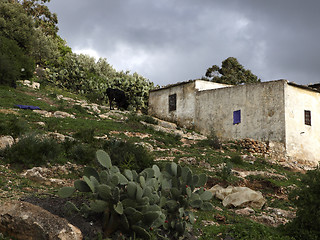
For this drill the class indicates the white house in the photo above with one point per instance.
(284, 114)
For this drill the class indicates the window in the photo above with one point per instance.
(237, 117)
(172, 102)
(307, 117)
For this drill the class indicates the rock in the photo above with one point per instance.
(42, 124)
(25, 221)
(34, 85)
(60, 114)
(146, 145)
(9, 111)
(166, 124)
(43, 113)
(6, 141)
(238, 196)
(60, 137)
(37, 174)
(245, 211)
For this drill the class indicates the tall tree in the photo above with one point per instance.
(41, 15)
(16, 38)
(231, 72)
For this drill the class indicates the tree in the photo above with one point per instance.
(231, 72)
(16, 38)
(15, 24)
(41, 15)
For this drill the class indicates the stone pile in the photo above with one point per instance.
(254, 146)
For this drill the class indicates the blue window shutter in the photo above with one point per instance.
(237, 117)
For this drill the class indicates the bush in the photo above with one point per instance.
(307, 199)
(33, 150)
(85, 135)
(236, 160)
(212, 141)
(126, 155)
(80, 153)
(14, 127)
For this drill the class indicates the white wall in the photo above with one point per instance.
(184, 115)
(262, 111)
(302, 141)
(206, 85)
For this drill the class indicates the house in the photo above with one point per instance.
(285, 115)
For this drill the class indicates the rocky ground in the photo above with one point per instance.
(256, 171)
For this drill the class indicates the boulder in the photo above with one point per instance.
(60, 114)
(6, 141)
(238, 196)
(26, 221)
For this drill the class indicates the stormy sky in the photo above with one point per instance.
(169, 41)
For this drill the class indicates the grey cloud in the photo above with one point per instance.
(177, 40)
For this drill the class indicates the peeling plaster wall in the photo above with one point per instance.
(186, 92)
(184, 115)
(261, 106)
(302, 141)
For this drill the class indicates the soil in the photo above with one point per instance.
(90, 227)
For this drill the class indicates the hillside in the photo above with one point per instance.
(77, 128)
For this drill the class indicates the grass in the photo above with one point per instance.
(86, 125)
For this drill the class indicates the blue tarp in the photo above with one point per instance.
(27, 107)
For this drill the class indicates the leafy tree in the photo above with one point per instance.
(16, 37)
(15, 24)
(45, 48)
(41, 15)
(231, 72)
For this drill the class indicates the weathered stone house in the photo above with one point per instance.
(284, 114)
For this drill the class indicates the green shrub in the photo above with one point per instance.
(33, 150)
(85, 135)
(142, 204)
(236, 159)
(14, 126)
(253, 231)
(225, 171)
(127, 155)
(79, 109)
(307, 200)
(212, 141)
(80, 153)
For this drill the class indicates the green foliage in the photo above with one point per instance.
(144, 202)
(236, 159)
(253, 230)
(211, 141)
(231, 72)
(226, 171)
(82, 74)
(12, 61)
(41, 15)
(80, 153)
(33, 150)
(85, 135)
(127, 155)
(14, 126)
(306, 198)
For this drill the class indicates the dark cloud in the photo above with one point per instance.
(175, 40)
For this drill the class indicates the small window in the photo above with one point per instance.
(172, 102)
(307, 117)
(237, 117)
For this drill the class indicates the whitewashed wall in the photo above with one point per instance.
(184, 114)
(302, 141)
(186, 92)
(262, 111)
